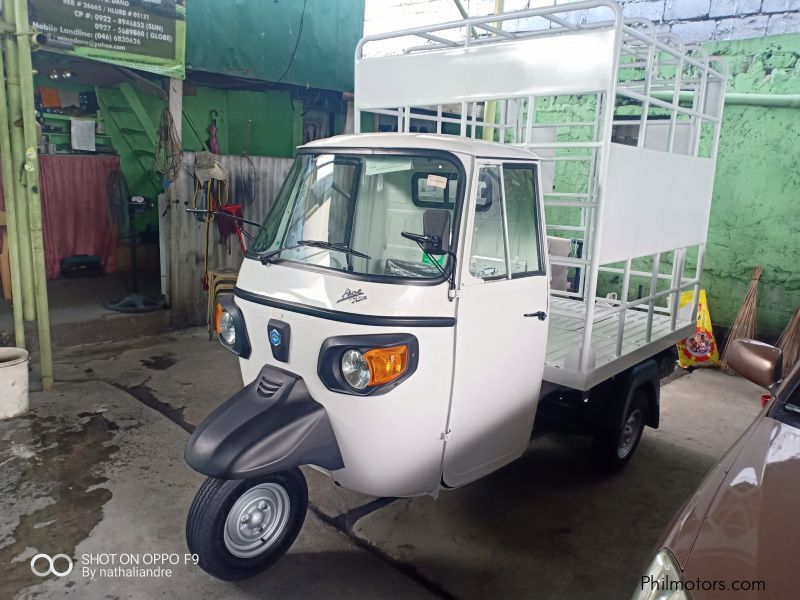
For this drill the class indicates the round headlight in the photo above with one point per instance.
(227, 329)
(355, 369)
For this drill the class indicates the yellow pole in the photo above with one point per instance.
(31, 169)
(11, 214)
(17, 157)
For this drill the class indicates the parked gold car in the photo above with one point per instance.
(738, 535)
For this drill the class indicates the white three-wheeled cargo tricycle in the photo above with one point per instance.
(406, 313)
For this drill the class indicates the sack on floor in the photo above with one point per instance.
(700, 349)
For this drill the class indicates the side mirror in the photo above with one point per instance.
(760, 363)
(436, 226)
(486, 187)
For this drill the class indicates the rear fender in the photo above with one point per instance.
(643, 376)
(611, 400)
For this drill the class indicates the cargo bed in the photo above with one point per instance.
(566, 336)
(625, 122)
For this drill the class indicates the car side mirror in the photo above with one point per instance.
(759, 362)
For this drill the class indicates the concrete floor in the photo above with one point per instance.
(77, 305)
(97, 466)
(81, 299)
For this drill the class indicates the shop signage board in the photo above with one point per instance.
(141, 34)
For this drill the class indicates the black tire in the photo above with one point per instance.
(205, 525)
(608, 453)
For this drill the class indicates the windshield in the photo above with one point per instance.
(348, 212)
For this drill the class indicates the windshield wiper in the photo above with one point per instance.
(267, 257)
(333, 246)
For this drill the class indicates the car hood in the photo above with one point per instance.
(750, 530)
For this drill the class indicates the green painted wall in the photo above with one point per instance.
(275, 128)
(754, 217)
(273, 118)
(257, 38)
(274, 121)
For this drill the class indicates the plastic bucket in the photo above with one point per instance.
(13, 382)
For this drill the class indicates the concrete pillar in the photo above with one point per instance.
(170, 238)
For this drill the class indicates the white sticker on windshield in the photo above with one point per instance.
(437, 181)
(376, 166)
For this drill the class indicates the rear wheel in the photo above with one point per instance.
(239, 528)
(612, 449)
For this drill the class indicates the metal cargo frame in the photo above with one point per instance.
(631, 184)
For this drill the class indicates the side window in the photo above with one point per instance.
(519, 183)
(488, 258)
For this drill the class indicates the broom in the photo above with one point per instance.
(789, 342)
(744, 325)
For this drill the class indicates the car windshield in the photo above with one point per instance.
(348, 212)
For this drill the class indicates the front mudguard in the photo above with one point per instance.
(268, 426)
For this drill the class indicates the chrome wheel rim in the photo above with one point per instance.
(630, 432)
(257, 520)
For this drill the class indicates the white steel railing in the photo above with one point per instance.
(668, 96)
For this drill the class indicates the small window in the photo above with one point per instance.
(434, 190)
(488, 256)
(523, 220)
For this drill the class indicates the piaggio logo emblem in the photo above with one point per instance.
(51, 562)
(275, 337)
(353, 296)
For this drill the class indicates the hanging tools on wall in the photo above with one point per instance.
(211, 203)
(210, 195)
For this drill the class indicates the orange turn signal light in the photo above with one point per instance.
(217, 316)
(386, 364)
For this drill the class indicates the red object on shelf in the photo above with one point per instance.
(765, 398)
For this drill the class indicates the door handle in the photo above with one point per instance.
(541, 315)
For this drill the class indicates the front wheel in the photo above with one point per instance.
(239, 528)
(613, 449)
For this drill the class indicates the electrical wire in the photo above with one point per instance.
(194, 129)
(168, 152)
(296, 43)
(252, 180)
(311, 105)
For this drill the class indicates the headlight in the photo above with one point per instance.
(375, 367)
(355, 369)
(230, 326)
(227, 328)
(367, 365)
(662, 580)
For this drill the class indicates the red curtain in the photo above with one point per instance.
(75, 215)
